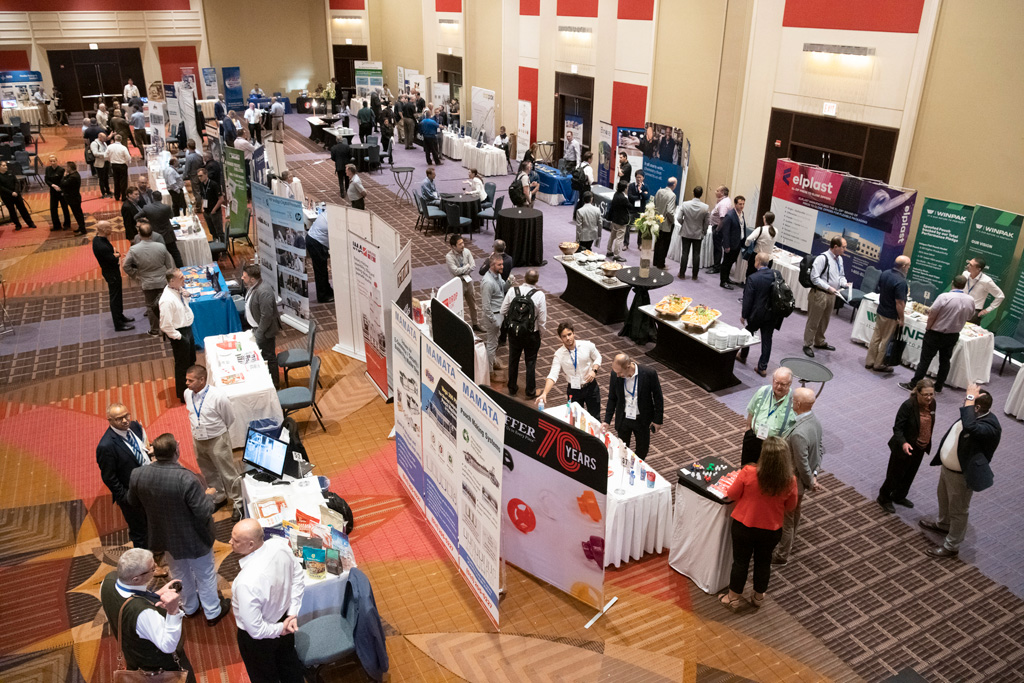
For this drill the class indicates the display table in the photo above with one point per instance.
(701, 546)
(587, 289)
(1015, 399)
(264, 103)
(972, 356)
(555, 188)
(209, 108)
(33, 114)
(688, 351)
(254, 397)
(637, 327)
(195, 250)
(522, 229)
(636, 520)
(453, 145)
(339, 133)
(214, 312)
(788, 264)
(487, 160)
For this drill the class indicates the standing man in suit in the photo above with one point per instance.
(637, 194)
(964, 454)
(734, 228)
(122, 449)
(176, 320)
(261, 313)
(635, 400)
(110, 266)
(131, 208)
(159, 216)
(805, 446)
(341, 155)
(757, 313)
(665, 206)
(692, 220)
(180, 517)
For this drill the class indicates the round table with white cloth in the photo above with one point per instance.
(707, 250)
(1015, 400)
(487, 160)
(32, 114)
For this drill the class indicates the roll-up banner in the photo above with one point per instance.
(366, 269)
(554, 489)
(265, 250)
(442, 94)
(158, 123)
(260, 176)
(209, 83)
(451, 295)
(662, 152)
(236, 195)
(605, 161)
(187, 109)
(439, 398)
(233, 95)
(173, 113)
(523, 129)
(993, 237)
(812, 205)
(290, 246)
(405, 354)
(483, 112)
(940, 244)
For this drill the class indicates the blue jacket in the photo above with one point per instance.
(757, 299)
(368, 633)
(732, 234)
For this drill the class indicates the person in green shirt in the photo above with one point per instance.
(769, 413)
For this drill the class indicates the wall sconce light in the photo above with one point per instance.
(840, 49)
(449, 51)
(93, 46)
(348, 41)
(574, 69)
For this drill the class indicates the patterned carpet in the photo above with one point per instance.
(858, 601)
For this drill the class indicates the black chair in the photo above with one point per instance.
(868, 284)
(491, 214)
(238, 235)
(921, 292)
(428, 215)
(297, 398)
(292, 359)
(1010, 345)
(456, 222)
(219, 249)
(28, 168)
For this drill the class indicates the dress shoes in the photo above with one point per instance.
(713, 269)
(942, 551)
(809, 352)
(477, 328)
(763, 373)
(326, 300)
(225, 607)
(776, 560)
(886, 505)
(931, 525)
(825, 347)
(694, 277)
(904, 502)
(127, 319)
(884, 369)
(619, 259)
(725, 285)
(153, 333)
(909, 386)
(124, 328)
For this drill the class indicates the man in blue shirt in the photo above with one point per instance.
(318, 247)
(428, 126)
(892, 299)
(138, 122)
(428, 191)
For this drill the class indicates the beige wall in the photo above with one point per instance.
(396, 36)
(282, 47)
(482, 63)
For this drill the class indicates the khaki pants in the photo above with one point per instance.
(954, 501)
(789, 525)
(615, 240)
(410, 132)
(884, 327)
(217, 464)
(470, 301)
(819, 312)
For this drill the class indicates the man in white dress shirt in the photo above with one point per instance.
(254, 118)
(580, 361)
(176, 324)
(828, 277)
(979, 287)
(210, 415)
(130, 91)
(573, 152)
(265, 597)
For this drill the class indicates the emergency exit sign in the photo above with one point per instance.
(829, 109)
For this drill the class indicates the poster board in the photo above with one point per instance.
(605, 159)
(364, 261)
(172, 112)
(234, 97)
(524, 134)
(662, 152)
(19, 85)
(235, 194)
(369, 78)
(209, 83)
(940, 243)
(405, 344)
(265, 251)
(483, 113)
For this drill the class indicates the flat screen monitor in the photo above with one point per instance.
(265, 453)
(9, 104)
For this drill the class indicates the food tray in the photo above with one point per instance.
(681, 304)
(692, 319)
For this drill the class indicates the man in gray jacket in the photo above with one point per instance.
(148, 262)
(664, 206)
(261, 314)
(492, 291)
(692, 221)
(159, 216)
(588, 223)
(806, 449)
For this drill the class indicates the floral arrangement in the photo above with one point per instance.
(328, 93)
(648, 223)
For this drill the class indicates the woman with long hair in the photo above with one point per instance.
(911, 439)
(763, 493)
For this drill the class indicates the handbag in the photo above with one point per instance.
(750, 249)
(138, 675)
(894, 350)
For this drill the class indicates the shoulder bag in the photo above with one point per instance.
(138, 675)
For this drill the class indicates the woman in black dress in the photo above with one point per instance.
(71, 185)
(11, 197)
(54, 175)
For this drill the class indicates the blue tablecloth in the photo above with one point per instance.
(553, 182)
(264, 103)
(213, 315)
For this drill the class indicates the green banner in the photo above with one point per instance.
(1012, 310)
(940, 243)
(234, 173)
(993, 237)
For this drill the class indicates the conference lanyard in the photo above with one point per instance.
(575, 355)
(971, 287)
(632, 393)
(199, 408)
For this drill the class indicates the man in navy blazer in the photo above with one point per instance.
(964, 454)
(121, 450)
(757, 315)
(733, 228)
(634, 398)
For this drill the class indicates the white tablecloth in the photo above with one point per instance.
(195, 250)
(33, 115)
(788, 263)
(253, 399)
(488, 160)
(1015, 400)
(208, 107)
(452, 145)
(972, 356)
(701, 541)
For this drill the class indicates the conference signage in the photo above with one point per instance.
(439, 399)
(290, 247)
(233, 95)
(553, 504)
(173, 113)
(605, 162)
(260, 175)
(574, 125)
(364, 261)
(451, 295)
(812, 205)
(993, 237)
(480, 431)
(187, 109)
(405, 345)
(369, 78)
(209, 83)
(483, 113)
(1012, 309)
(157, 121)
(14, 85)
(663, 152)
(940, 243)
(442, 94)
(236, 195)
(523, 129)
(265, 251)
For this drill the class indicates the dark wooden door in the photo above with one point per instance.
(345, 58)
(574, 96)
(77, 73)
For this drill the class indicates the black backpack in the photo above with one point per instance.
(516, 194)
(522, 315)
(580, 183)
(806, 264)
(338, 504)
(782, 302)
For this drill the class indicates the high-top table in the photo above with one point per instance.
(638, 327)
(522, 230)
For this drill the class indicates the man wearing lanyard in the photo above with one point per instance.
(210, 415)
(946, 317)
(979, 286)
(580, 360)
(828, 278)
(634, 398)
(261, 314)
(769, 413)
(176, 323)
(213, 200)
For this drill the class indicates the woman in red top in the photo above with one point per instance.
(763, 494)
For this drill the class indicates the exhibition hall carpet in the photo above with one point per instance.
(859, 600)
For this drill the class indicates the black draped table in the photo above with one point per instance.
(360, 156)
(639, 327)
(468, 205)
(522, 230)
(587, 289)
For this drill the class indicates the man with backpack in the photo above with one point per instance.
(525, 311)
(582, 179)
(760, 312)
(827, 277)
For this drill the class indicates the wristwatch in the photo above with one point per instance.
(970, 397)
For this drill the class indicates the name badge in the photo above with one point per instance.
(631, 409)
(575, 382)
(204, 203)
(762, 431)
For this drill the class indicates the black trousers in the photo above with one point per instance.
(215, 222)
(320, 256)
(766, 330)
(138, 526)
(642, 432)
(153, 307)
(750, 542)
(16, 204)
(113, 279)
(58, 199)
(364, 130)
(75, 204)
(103, 172)
(716, 238)
(385, 146)
(516, 348)
(689, 245)
(941, 343)
(270, 660)
(661, 246)
(268, 349)
(342, 183)
(430, 147)
(256, 132)
(728, 261)
(585, 245)
(900, 473)
(359, 203)
(588, 396)
(178, 201)
(172, 249)
(751, 451)
(184, 350)
(120, 175)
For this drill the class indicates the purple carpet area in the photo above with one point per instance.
(856, 407)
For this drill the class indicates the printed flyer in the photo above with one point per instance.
(405, 344)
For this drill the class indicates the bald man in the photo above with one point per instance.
(892, 300)
(110, 265)
(805, 447)
(121, 450)
(265, 598)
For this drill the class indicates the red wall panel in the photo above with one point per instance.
(888, 16)
(13, 60)
(448, 5)
(642, 10)
(91, 5)
(173, 57)
(348, 4)
(629, 105)
(528, 91)
(529, 8)
(577, 8)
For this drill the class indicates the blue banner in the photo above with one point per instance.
(21, 77)
(233, 88)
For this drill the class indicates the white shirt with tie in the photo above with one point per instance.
(175, 312)
(209, 412)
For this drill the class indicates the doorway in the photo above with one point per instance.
(80, 75)
(449, 70)
(574, 100)
(345, 58)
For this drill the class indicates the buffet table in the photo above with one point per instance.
(972, 356)
(195, 250)
(555, 188)
(587, 289)
(253, 397)
(522, 229)
(214, 312)
(487, 160)
(694, 355)
(339, 133)
(1015, 399)
(788, 264)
